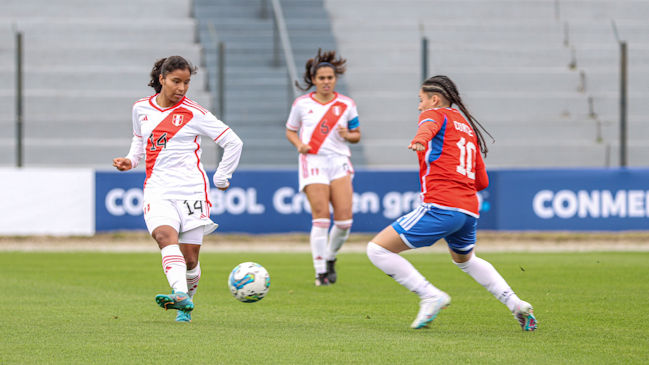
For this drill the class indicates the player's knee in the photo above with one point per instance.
(191, 262)
(164, 238)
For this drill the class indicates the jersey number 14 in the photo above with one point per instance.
(467, 158)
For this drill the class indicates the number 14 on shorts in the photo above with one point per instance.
(194, 206)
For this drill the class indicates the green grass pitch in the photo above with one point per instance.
(88, 308)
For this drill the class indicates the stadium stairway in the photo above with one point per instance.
(542, 76)
(85, 64)
(257, 99)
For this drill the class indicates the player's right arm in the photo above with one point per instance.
(293, 125)
(136, 152)
(429, 125)
(292, 137)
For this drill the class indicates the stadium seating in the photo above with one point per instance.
(85, 63)
(541, 75)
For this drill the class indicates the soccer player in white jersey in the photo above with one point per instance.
(167, 130)
(320, 125)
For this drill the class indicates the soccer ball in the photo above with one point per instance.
(249, 282)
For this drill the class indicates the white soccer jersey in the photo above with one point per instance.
(317, 123)
(170, 141)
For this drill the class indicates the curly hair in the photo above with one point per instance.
(322, 59)
(443, 85)
(166, 65)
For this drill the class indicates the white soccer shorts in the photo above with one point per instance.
(183, 215)
(317, 169)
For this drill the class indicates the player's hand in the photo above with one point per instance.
(416, 147)
(303, 148)
(221, 183)
(343, 132)
(122, 164)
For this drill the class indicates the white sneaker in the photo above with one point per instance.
(524, 314)
(429, 308)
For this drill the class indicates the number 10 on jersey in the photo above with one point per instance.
(467, 158)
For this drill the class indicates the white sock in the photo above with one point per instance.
(319, 230)
(337, 237)
(486, 275)
(174, 266)
(401, 270)
(193, 276)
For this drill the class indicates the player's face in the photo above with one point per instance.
(324, 80)
(175, 85)
(426, 101)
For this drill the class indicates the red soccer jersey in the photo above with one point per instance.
(451, 168)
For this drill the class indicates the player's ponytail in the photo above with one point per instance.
(322, 59)
(444, 86)
(166, 65)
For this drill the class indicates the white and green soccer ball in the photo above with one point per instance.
(249, 282)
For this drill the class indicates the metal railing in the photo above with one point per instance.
(623, 95)
(281, 38)
(218, 90)
(19, 99)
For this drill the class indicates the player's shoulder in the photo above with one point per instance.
(143, 102)
(432, 115)
(346, 99)
(195, 107)
(302, 99)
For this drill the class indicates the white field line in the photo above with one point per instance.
(303, 247)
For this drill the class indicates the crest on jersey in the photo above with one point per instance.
(336, 110)
(177, 120)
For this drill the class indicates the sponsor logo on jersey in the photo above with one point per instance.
(336, 110)
(177, 120)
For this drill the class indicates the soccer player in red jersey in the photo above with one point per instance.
(451, 172)
(167, 130)
(320, 126)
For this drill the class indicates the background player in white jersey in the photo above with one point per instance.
(167, 130)
(320, 125)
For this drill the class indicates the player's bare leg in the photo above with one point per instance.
(384, 251)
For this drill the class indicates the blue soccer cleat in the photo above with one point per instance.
(524, 314)
(183, 316)
(180, 301)
(429, 308)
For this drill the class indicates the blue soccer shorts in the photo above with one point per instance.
(427, 224)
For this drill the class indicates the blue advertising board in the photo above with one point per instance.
(267, 201)
(263, 201)
(575, 199)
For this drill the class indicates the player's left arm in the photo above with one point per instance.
(481, 177)
(232, 146)
(351, 130)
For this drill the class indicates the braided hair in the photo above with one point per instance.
(322, 59)
(166, 65)
(444, 86)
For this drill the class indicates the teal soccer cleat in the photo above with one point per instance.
(183, 316)
(524, 314)
(429, 308)
(180, 301)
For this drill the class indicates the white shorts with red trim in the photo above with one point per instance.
(318, 169)
(182, 215)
